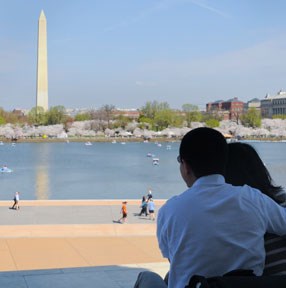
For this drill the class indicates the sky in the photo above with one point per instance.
(128, 52)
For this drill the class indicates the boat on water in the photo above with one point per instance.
(150, 155)
(168, 147)
(5, 169)
(155, 161)
(88, 143)
(113, 141)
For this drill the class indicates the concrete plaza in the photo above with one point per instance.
(76, 243)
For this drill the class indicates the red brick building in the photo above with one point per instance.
(227, 110)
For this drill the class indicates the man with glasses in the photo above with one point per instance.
(213, 227)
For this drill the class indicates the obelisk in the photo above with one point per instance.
(42, 65)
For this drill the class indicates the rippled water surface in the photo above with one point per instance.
(105, 170)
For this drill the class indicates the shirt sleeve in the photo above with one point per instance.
(276, 216)
(162, 233)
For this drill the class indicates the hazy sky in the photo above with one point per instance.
(128, 52)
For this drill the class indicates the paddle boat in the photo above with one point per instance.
(155, 161)
(88, 143)
(150, 155)
(5, 169)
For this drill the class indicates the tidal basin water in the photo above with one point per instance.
(105, 170)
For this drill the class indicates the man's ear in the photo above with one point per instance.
(187, 168)
(191, 178)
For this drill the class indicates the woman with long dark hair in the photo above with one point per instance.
(244, 166)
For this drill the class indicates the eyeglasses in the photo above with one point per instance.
(179, 159)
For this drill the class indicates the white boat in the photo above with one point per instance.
(150, 155)
(5, 169)
(1, 143)
(88, 143)
(113, 141)
(155, 161)
(231, 140)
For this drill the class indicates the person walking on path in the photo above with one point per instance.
(16, 201)
(149, 195)
(124, 212)
(151, 208)
(144, 206)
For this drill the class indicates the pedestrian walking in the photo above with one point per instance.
(149, 195)
(124, 212)
(16, 201)
(151, 208)
(144, 206)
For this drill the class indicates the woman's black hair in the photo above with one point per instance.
(244, 166)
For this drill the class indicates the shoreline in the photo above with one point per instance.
(88, 139)
(122, 139)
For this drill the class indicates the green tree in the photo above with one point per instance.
(82, 117)
(212, 123)
(163, 119)
(166, 118)
(2, 120)
(145, 123)
(56, 115)
(252, 118)
(121, 121)
(192, 113)
(156, 114)
(2, 116)
(37, 116)
(150, 109)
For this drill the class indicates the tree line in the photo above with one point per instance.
(153, 115)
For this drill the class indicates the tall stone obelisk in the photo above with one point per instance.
(42, 65)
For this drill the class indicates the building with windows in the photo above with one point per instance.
(227, 110)
(253, 103)
(273, 105)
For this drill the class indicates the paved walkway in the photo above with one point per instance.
(76, 243)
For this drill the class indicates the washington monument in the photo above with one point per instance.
(42, 66)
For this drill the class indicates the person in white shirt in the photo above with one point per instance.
(212, 227)
(151, 208)
(16, 201)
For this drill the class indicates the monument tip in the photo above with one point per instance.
(42, 15)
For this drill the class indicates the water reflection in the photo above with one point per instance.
(42, 187)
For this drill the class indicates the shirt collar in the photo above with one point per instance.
(214, 179)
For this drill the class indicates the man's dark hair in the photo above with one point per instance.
(205, 151)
